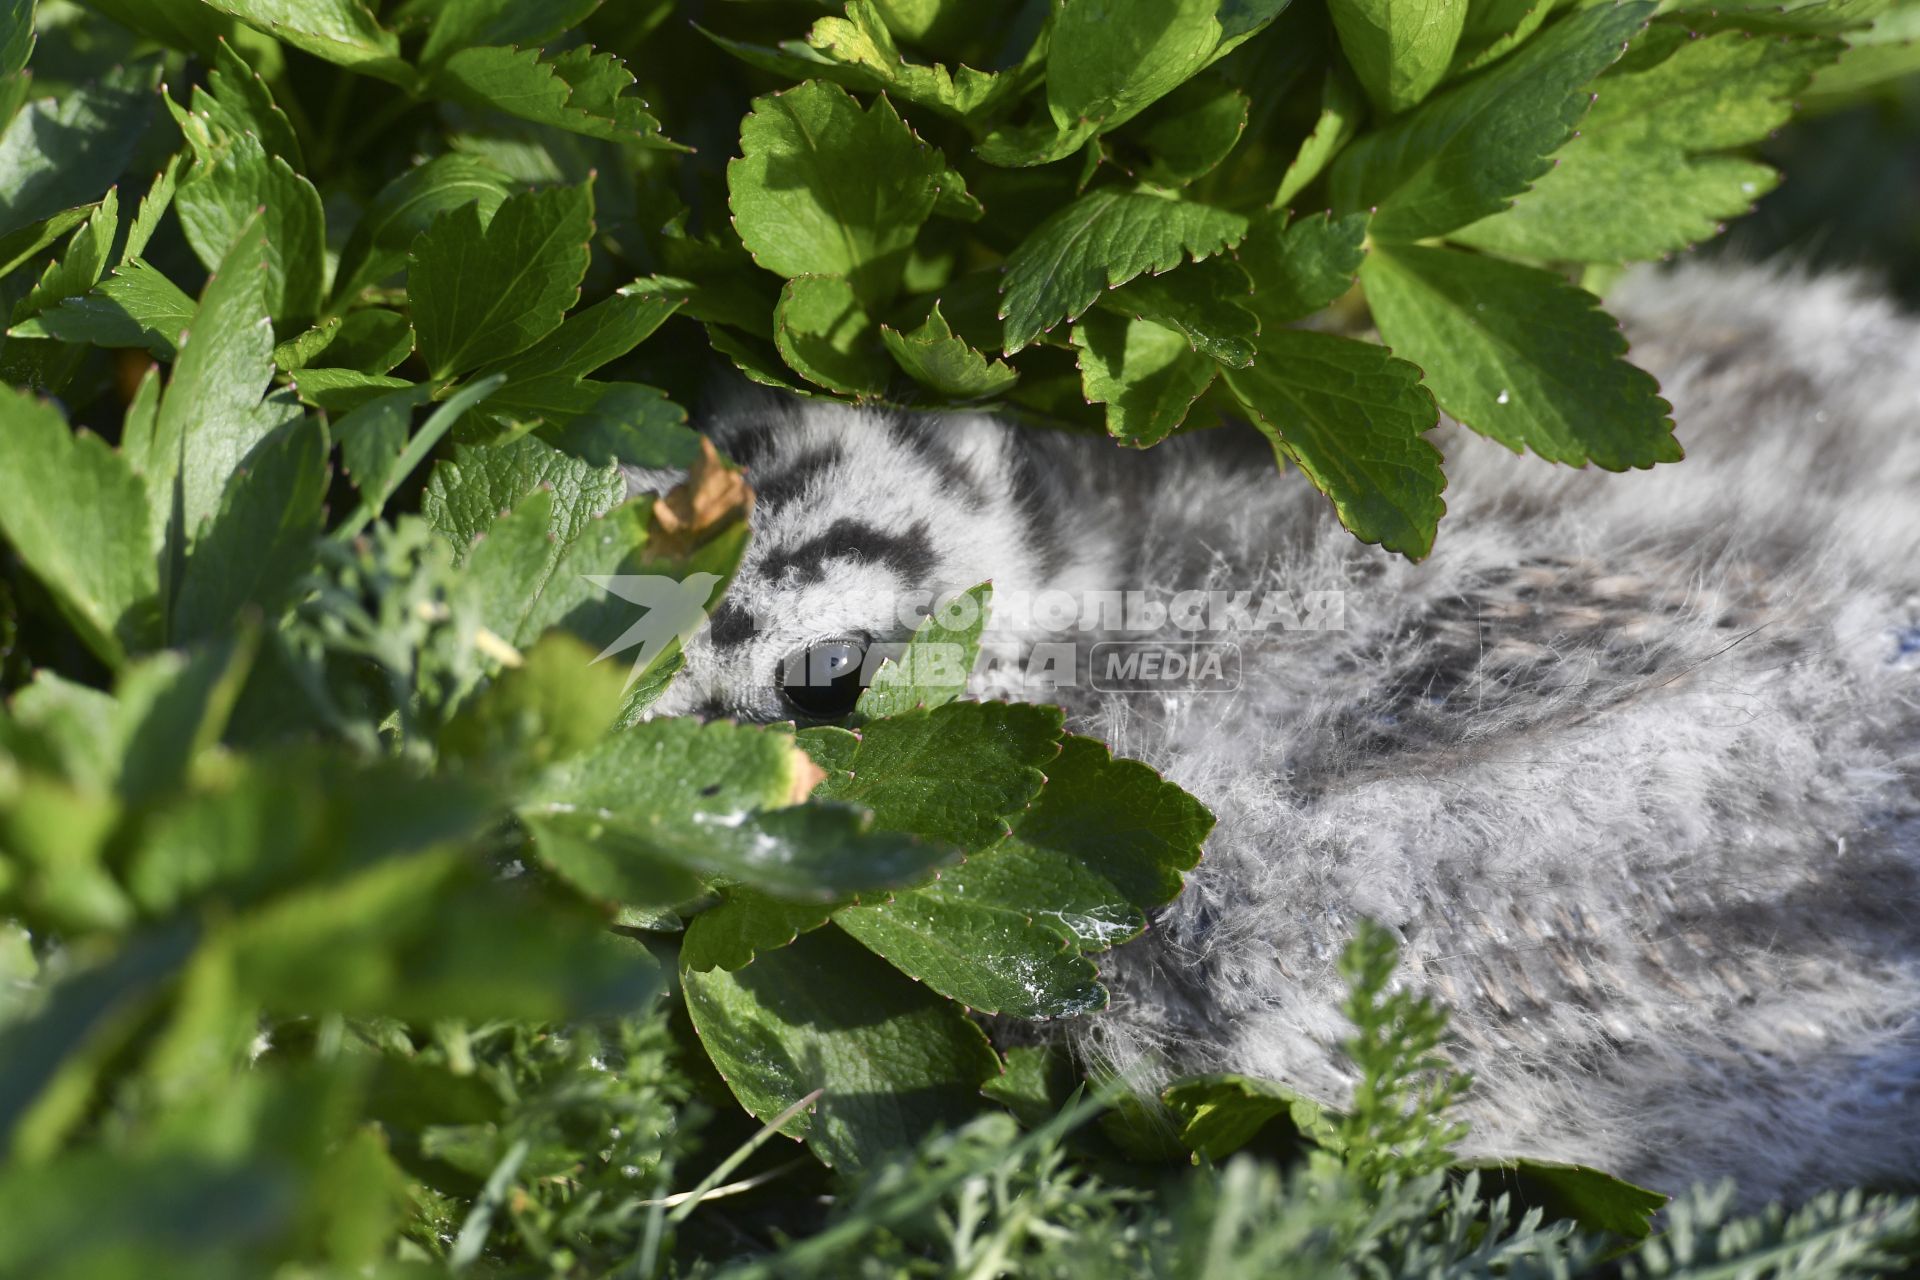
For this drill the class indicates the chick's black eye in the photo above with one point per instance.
(824, 680)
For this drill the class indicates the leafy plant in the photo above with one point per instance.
(355, 918)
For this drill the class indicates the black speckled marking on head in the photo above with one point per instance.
(921, 438)
(782, 484)
(909, 554)
(730, 626)
(1041, 510)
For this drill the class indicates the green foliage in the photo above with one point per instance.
(353, 918)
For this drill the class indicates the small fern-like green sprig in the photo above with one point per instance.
(1398, 1125)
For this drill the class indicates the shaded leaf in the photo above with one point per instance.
(824, 335)
(1520, 355)
(933, 668)
(743, 925)
(404, 208)
(1399, 50)
(234, 182)
(1649, 133)
(577, 90)
(1210, 302)
(989, 956)
(1219, 1114)
(824, 188)
(135, 306)
(937, 359)
(56, 483)
(485, 291)
(895, 1061)
(60, 153)
(1100, 241)
(1465, 153)
(260, 540)
(1342, 108)
(1299, 268)
(1146, 374)
(341, 31)
(1192, 131)
(1351, 415)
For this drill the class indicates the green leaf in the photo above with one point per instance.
(16, 35)
(1210, 302)
(942, 362)
(894, 1061)
(181, 24)
(404, 208)
(1647, 134)
(993, 958)
(1465, 153)
(716, 798)
(590, 338)
(153, 206)
(1350, 415)
(1890, 49)
(170, 709)
(486, 291)
(1802, 16)
(95, 1004)
(373, 436)
(1101, 241)
(933, 668)
(1219, 1114)
(825, 336)
(212, 416)
(460, 24)
(577, 90)
(861, 53)
(1520, 355)
(1399, 50)
(78, 269)
(234, 182)
(823, 188)
(1342, 108)
(422, 937)
(1037, 143)
(135, 306)
(1300, 268)
(952, 773)
(341, 31)
(1495, 27)
(556, 704)
(369, 341)
(237, 100)
(515, 565)
(424, 442)
(607, 870)
(467, 491)
(261, 540)
(343, 390)
(1111, 59)
(1192, 131)
(547, 382)
(76, 515)
(1147, 375)
(18, 247)
(61, 152)
(1597, 1201)
(743, 925)
(1104, 843)
(759, 362)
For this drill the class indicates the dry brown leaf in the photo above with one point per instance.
(806, 776)
(713, 495)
